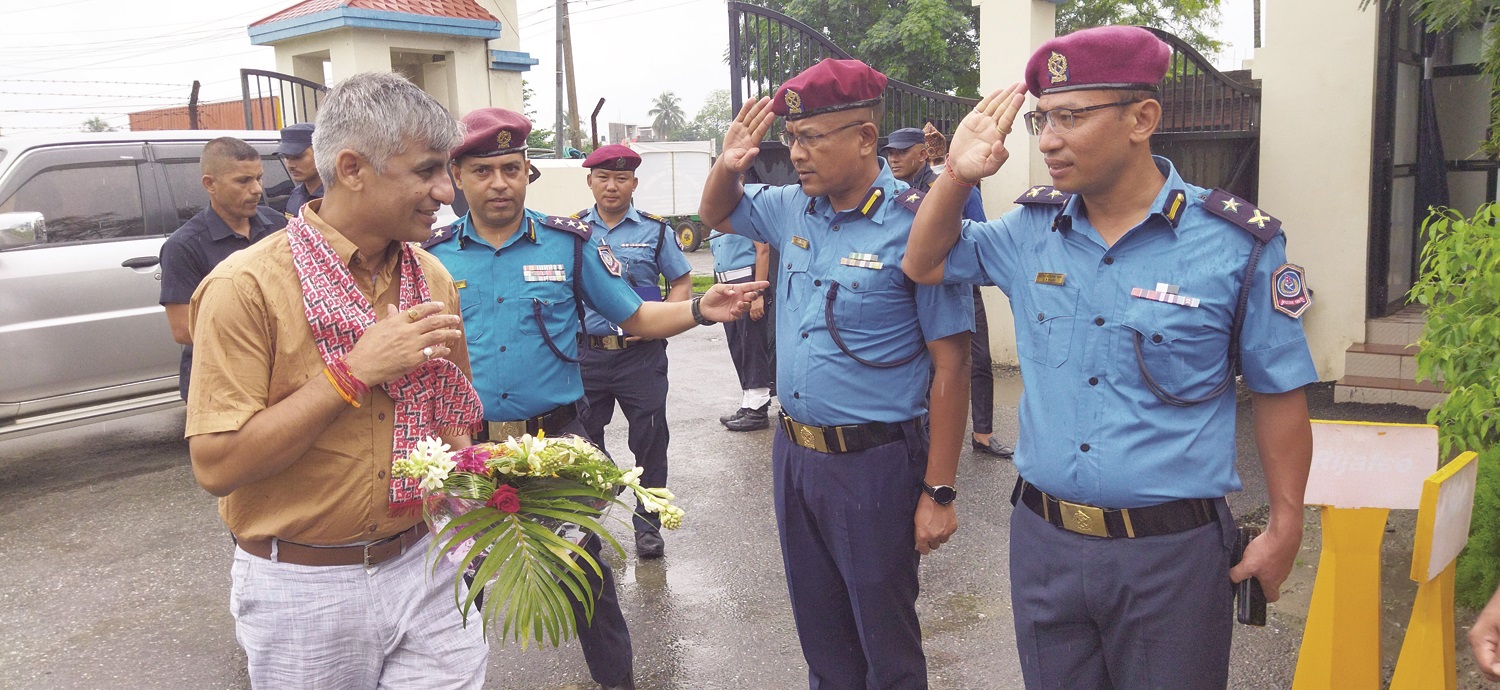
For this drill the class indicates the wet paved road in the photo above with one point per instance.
(114, 567)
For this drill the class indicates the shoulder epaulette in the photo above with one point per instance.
(911, 198)
(441, 235)
(569, 225)
(580, 214)
(1043, 194)
(654, 217)
(1243, 214)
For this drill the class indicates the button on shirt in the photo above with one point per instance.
(1090, 429)
(879, 313)
(516, 374)
(731, 252)
(634, 241)
(194, 249)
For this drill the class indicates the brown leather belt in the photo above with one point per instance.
(551, 422)
(1081, 518)
(373, 553)
(850, 438)
(610, 342)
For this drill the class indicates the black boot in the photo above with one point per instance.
(649, 545)
(725, 419)
(753, 420)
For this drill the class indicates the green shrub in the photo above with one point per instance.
(1460, 286)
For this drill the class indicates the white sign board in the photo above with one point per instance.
(1365, 465)
(1450, 528)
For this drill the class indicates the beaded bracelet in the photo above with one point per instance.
(954, 176)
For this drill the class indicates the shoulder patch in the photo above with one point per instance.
(440, 236)
(911, 198)
(1243, 214)
(1289, 290)
(1043, 194)
(611, 264)
(571, 226)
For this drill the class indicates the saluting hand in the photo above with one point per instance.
(401, 341)
(978, 148)
(742, 140)
(724, 302)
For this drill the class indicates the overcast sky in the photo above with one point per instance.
(65, 61)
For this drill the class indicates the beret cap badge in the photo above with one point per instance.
(503, 139)
(793, 102)
(1057, 67)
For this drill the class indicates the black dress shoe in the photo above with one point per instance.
(753, 420)
(725, 419)
(629, 684)
(649, 545)
(994, 448)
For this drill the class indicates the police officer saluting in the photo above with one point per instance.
(619, 366)
(1138, 298)
(296, 152)
(856, 342)
(522, 280)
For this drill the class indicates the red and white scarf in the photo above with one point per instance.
(433, 399)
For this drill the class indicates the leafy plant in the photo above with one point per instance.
(1460, 344)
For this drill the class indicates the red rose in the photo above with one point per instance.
(505, 498)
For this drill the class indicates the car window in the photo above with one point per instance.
(84, 203)
(185, 177)
(276, 183)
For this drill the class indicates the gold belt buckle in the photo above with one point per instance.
(1083, 519)
(810, 437)
(500, 430)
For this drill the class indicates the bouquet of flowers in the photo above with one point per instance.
(508, 510)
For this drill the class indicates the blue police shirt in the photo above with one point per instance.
(731, 251)
(193, 250)
(634, 242)
(879, 313)
(1090, 429)
(300, 196)
(516, 374)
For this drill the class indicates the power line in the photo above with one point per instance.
(90, 81)
(79, 95)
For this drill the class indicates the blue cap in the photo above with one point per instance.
(295, 139)
(904, 138)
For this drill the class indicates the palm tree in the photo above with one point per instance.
(667, 118)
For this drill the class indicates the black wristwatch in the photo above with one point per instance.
(941, 494)
(698, 313)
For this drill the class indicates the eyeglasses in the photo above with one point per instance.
(1061, 119)
(812, 141)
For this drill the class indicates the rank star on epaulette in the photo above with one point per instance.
(911, 198)
(1043, 194)
(438, 236)
(1250, 219)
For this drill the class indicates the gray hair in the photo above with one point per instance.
(376, 114)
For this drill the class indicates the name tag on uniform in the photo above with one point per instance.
(552, 273)
(1051, 278)
(460, 284)
(1164, 293)
(800, 241)
(862, 261)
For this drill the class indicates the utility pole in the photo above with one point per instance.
(193, 106)
(561, 23)
(573, 133)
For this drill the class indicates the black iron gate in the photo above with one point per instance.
(1210, 125)
(767, 47)
(274, 100)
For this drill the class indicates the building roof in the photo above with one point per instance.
(455, 9)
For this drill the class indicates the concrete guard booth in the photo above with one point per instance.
(1351, 104)
(456, 50)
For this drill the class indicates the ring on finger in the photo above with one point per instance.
(412, 312)
(427, 352)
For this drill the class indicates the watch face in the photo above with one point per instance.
(942, 495)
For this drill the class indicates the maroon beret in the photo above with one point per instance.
(613, 157)
(493, 132)
(1105, 57)
(829, 86)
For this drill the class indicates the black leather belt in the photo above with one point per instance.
(850, 438)
(1164, 518)
(610, 342)
(551, 422)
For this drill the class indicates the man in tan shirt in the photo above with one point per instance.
(303, 391)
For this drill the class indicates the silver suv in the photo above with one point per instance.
(82, 221)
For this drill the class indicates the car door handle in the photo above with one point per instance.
(141, 262)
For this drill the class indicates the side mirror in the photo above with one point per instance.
(22, 229)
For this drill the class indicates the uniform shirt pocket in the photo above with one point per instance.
(474, 306)
(871, 299)
(1045, 329)
(1182, 347)
(799, 283)
(557, 308)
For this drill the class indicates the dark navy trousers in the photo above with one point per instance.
(1145, 613)
(847, 542)
(637, 377)
(981, 371)
(751, 349)
(606, 639)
